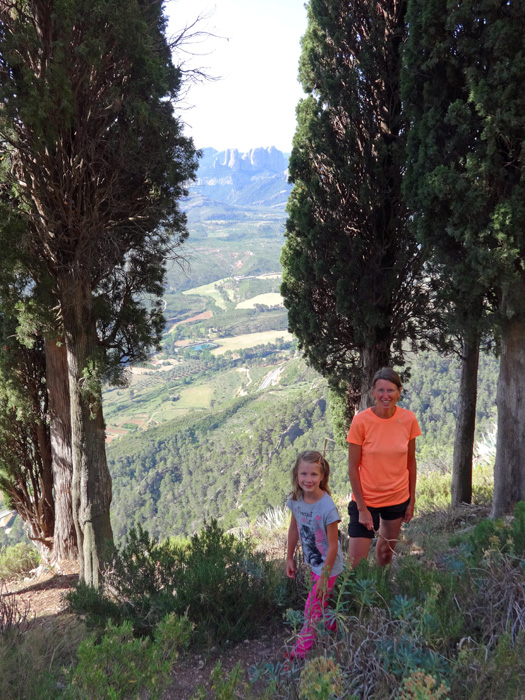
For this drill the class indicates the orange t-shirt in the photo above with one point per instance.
(383, 469)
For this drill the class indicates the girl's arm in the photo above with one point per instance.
(354, 458)
(412, 476)
(293, 539)
(332, 535)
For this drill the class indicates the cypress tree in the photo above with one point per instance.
(100, 162)
(464, 94)
(352, 271)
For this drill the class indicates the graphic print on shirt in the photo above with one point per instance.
(313, 540)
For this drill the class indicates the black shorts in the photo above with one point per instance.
(355, 529)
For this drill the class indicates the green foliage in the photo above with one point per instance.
(351, 266)
(17, 559)
(230, 686)
(230, 463)
(500, 535)
(495, 671)
(217, 580)
(321, 679)
(421, 686)
(120, 667)
(31, 664)
(25, 442)
(464, 182)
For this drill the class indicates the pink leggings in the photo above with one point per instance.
(314, 611)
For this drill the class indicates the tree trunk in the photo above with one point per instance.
(509, 469)
(46, 508)
(461, 489)
(372, 360)
(65, 537)
(91, 484)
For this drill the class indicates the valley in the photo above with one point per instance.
(210, 427)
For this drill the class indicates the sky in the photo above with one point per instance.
(255, 56)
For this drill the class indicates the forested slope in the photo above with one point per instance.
(235, 460)
(230, 462)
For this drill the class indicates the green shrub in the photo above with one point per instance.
(490, 672)
(507, 537)
(119, 666)
(231, 686)
(18, 559)
(94, 605)
(31, 663)
(218, 581)
(225, 585)
(421, 686)
(321, 679)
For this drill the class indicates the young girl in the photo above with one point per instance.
(315, 522)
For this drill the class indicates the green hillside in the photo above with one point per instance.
(234, 460)
(211, 426)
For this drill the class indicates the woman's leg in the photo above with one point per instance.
(358, 549)
(387, 540)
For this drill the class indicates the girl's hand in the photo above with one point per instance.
(365, 518)
(290, 568)
(321, 587)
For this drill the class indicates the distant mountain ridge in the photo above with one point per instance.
(256, 178)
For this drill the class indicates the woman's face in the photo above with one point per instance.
(385, 393)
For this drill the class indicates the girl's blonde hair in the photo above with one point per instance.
(312, 457)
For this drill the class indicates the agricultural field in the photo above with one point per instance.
(270, 299)
(216, 290)
(216, 308)
(250, 340)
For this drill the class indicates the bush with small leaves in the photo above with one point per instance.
(18, 559)
(217, 580)
(121, 667)
(422, 686)
(321, 679)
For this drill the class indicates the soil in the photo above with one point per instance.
(43, 593)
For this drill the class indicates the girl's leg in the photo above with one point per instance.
(387, 540)
(358, 549)
(313, 612)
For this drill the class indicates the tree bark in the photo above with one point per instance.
(65, 536)
(46, 508)
(91, 484)
(372, 360)
(509, 469)
(461, 488)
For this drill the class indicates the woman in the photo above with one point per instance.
(382, 470)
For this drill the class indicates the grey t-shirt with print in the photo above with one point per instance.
(312, 520)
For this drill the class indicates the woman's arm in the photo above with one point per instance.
(332, 535)
(412, 477)
(293, 539)
(354, 458)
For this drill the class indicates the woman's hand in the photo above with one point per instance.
(365, 518)
(290, 568)
(409, 513)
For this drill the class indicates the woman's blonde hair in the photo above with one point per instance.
(312, 457)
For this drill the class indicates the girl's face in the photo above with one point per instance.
(309, 477)
(385, 393)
